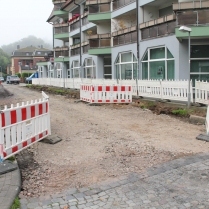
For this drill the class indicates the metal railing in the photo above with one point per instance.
(62, 53)
(60, 30)
(125, 39)
(123, 31)
(198, 17)
(97, 8)
(158, 30)
(157, 21)
(120, 3)
(75, 51)
(191, 5)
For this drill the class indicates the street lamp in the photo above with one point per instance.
(63, 70)
(188, 30)
(137, 32)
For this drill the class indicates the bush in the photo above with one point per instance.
(181, 112)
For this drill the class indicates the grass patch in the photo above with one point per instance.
(181, 112)
(16, 204)
(12, 158)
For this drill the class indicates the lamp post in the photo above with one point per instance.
(80, 33)
(137, 31)
(63, 70)
(1, 70)
(188, 30)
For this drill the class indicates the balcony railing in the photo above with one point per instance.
(120, 3)
(86, 48)
(75, 51)
(123, 31)
(60, 30)
(100, 40)
(74, 25)
(29, 67)
(61, 25)
(125, 39)
(62, 53)
(97, 8)
(92, 2)
(64, 48)
(191, 5)
(198, 17)
(158, 21)
(85, 20)
(158, 30)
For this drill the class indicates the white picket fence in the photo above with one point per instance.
(22, 125)
(158, 89)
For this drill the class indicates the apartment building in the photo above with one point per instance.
(98, 39)
(24, 60)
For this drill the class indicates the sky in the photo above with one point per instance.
(21, 18)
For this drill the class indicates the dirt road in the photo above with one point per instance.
(99, 143)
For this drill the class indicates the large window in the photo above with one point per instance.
(126, 66)
(89, 68)
(107, 68)
(158, 63)
(199, 62)
(75, 69)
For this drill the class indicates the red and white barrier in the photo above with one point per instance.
(106, 94)
(23, 125)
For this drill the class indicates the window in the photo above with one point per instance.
(158, 63)
(89, 68)
(75, 68)
(107, 68)
(126, 66)
(199, 63)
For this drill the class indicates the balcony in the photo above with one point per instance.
(191, 5)
(126, 30)
(160, 20)
(58, 12)
(29, 67)
(92, 2)
(85, 47)
(99, 12)
(75, 49)
(158, 30)
(127, 38)
(121, 3)
(61, 32)
(61, 51)
(100, 44)
(99, 41)
(197, 17)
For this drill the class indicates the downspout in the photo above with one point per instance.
(80, 37)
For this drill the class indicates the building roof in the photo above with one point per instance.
(31, 51)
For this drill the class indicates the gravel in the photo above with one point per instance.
(99, 143)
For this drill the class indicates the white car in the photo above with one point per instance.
(2, 79)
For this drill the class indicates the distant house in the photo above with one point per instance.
(23, 60)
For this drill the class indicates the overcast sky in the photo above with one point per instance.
(21, 18)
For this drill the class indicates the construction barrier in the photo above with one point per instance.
(106, 94)
(23, 125)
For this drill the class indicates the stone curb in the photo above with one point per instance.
(11, 189)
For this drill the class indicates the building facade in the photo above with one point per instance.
(104, 39)
(24, 60)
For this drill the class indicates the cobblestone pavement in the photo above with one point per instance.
(182, 183)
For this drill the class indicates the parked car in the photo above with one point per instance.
(2, 79)
(29, 79)
(12, 79)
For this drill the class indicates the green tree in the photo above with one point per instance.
(28, 41)
(4, 61)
